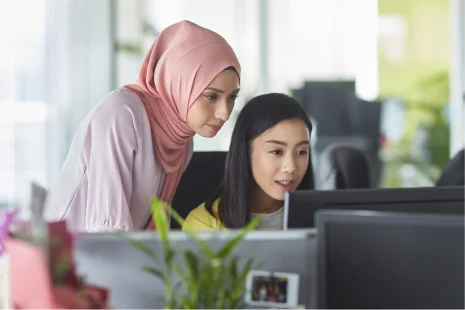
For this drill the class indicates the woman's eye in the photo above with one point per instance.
(276, 152)
(233, 97)
(211, 97)
(303, 152)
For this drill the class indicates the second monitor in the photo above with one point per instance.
(300, 206)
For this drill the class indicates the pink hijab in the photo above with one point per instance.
(181, 63)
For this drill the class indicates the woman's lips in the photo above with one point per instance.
(214, 127)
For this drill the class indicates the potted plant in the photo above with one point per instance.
(211, 279)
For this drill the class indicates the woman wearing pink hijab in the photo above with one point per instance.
(136, 143)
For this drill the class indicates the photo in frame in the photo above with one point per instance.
(272, 289)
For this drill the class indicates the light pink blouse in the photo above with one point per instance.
(110, 173)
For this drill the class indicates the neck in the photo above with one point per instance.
(262, 203)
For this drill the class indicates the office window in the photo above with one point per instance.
(22, 93)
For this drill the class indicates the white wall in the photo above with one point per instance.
(128, 29)
(306, 38)
(55, 63)
(78, 66)
(23, 112)
(332, 39)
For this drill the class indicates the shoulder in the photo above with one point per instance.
(201, 219)
(119, 104)
(120, 111)
(202, 209)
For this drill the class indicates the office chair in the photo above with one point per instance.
(453, 173)
(202, 176)
(344, 167)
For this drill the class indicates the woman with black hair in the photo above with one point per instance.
(268, 156)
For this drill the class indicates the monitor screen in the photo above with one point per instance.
(390, 260)
(300, 206)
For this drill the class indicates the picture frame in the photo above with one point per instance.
(272, 289)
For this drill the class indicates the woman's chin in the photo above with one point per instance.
(207, 134)
(277, 195)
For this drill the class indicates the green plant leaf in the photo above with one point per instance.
(169, 255)
(156, 272)
(129, 47)
(209, 253)
(245, 270)
(185, 280)
(192, 265)
(145, 249)
(223, 294)
(229, 247)
(182, 300)
(231, 276)
(159, 210)
(208, 281)
(186, 303)
(178, 218)
(238, 283)
(233, 266)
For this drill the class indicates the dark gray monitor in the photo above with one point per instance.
(300, 206)
(330, 103)
(390, 260)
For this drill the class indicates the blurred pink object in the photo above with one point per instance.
(9, 218)
(34, 285)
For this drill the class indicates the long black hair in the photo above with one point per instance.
(258, 115)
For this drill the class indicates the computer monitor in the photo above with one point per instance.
(108, 260)
(300, 206)
(331, 104)
(373, 260)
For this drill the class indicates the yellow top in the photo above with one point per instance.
(201, 219)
